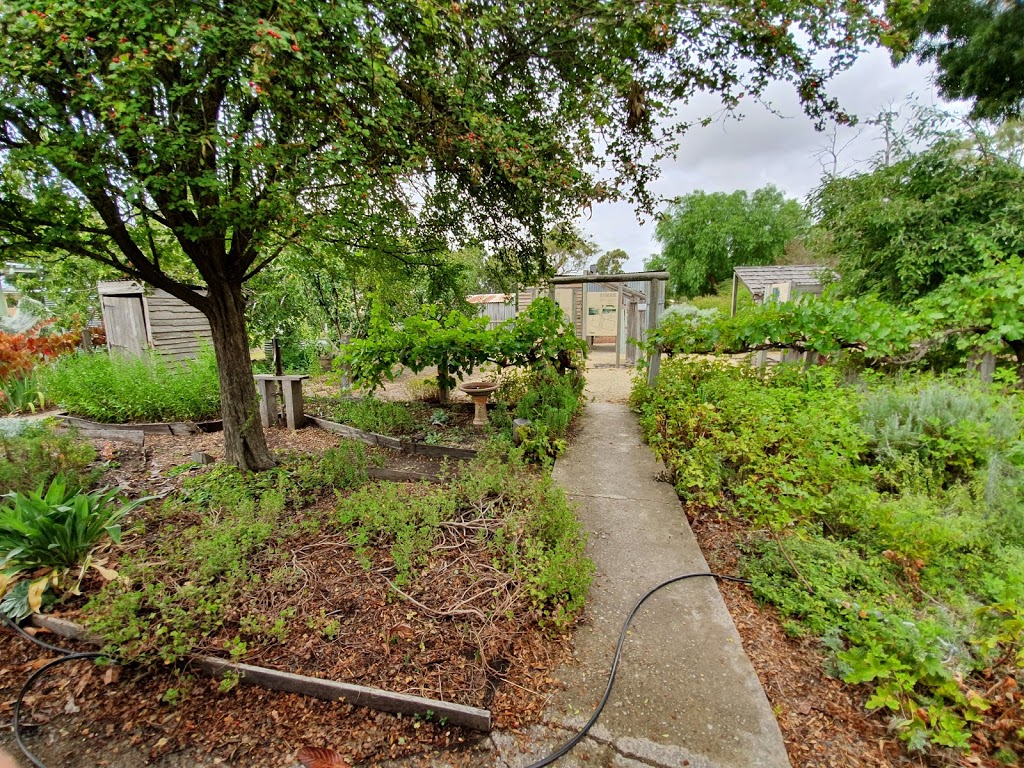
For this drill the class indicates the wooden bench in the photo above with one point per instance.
(267, 385)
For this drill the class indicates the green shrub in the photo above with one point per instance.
(372, 415)
(549, 400)
(56, 526)
(936, 429)
(21, 394)
(885, 517)
(118, 388)
(32, 455)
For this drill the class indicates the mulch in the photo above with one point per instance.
(823, 720)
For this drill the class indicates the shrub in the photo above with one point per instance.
(936, 429)
(21, 394)
(21, 352)
(373, 415)
(32, 455)
(886, 518)
(149, 387)
(55, 527)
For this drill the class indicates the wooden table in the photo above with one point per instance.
(291, 386)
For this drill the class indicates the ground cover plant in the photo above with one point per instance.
(883, 516)
(32, 454)
(125, 388)
(313, 568)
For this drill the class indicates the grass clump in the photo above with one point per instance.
(32, 455)
(886, 517)
(372, 415)
(115, 388)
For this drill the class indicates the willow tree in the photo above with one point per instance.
(136, 132)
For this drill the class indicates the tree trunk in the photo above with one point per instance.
(245, 445)
(1017, 346)
(443, 377)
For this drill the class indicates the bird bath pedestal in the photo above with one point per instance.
(479, 391)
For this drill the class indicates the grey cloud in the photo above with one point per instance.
(763, 148)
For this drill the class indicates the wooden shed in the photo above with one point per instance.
(496, 307)
(782, 282)
(138, 317)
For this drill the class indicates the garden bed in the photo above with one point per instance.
(312, 570)
(409, 422)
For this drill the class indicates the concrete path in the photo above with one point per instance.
(686, 693)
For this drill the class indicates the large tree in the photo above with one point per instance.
(704, 236)
(135, 132)
(978, 48)
(901, 230)
(610, 262)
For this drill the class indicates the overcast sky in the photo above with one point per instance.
(764, 148)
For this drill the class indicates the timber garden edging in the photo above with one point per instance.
(395, 444)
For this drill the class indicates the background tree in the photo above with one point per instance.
(899, 231)
(567, 250)
(704, 236)
(978, 48)
(137, 133)
(610, 262)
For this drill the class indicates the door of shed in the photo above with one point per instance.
(125, 323)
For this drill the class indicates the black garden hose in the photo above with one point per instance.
(563, 750)
(65, 656)
(558, 754)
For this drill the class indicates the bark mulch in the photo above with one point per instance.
(823, 720)
(459, 632)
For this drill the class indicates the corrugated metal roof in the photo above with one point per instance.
(489, 298)
(757, 279)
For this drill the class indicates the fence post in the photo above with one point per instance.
(620, 342)
(653, 308)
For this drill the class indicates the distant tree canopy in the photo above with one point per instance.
(704, 236)
(900, 231)
(978, 47)
(567, 250)
(610, 262)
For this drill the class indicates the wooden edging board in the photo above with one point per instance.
(319, 688)
(154, 428)
(372, 438)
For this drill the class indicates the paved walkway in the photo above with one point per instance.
(686, 690)
(686, 693)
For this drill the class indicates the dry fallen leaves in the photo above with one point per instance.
(319, 757)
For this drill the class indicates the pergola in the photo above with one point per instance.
(655, 297)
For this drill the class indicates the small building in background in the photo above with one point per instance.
(782, 282)
(496, 307)
(138, 317)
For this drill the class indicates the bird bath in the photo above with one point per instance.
(479, 391)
